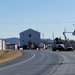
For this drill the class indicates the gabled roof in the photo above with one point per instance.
(30, 30)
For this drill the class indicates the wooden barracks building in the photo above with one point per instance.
(29, 36)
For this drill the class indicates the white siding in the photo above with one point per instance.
(2, 45)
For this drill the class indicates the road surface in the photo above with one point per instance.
(41, 63)
(68, 65)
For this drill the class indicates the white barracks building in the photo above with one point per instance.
(29, 35)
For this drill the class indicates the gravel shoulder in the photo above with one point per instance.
(9, 55)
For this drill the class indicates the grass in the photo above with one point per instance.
(3, 53)
(9, 55)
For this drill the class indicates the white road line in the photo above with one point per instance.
(18, 63)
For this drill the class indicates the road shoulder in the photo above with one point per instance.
(13, 54)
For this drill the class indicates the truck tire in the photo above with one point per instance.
(54, 49)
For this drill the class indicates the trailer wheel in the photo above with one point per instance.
(54, 49)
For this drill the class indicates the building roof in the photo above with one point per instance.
(30, 30)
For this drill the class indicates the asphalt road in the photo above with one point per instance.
(68, 65)
(41, 63)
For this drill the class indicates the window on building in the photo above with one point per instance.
(23, 40)
(29, 35)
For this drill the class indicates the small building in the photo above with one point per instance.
(11, 46)
(2, 45)
(29, 36)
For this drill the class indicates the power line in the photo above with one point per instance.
(42, 23)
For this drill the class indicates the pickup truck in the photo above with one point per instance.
(59, 47)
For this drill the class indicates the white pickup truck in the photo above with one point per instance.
(59, 47)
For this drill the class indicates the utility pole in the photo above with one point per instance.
(43, 36)
(53, 35)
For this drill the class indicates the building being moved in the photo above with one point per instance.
(29, 37)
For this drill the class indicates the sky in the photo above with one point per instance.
(45, 16)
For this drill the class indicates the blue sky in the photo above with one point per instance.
(46, 16)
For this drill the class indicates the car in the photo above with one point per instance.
(69, 49)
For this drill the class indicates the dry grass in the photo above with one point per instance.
(9, 55)
(3, 53)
